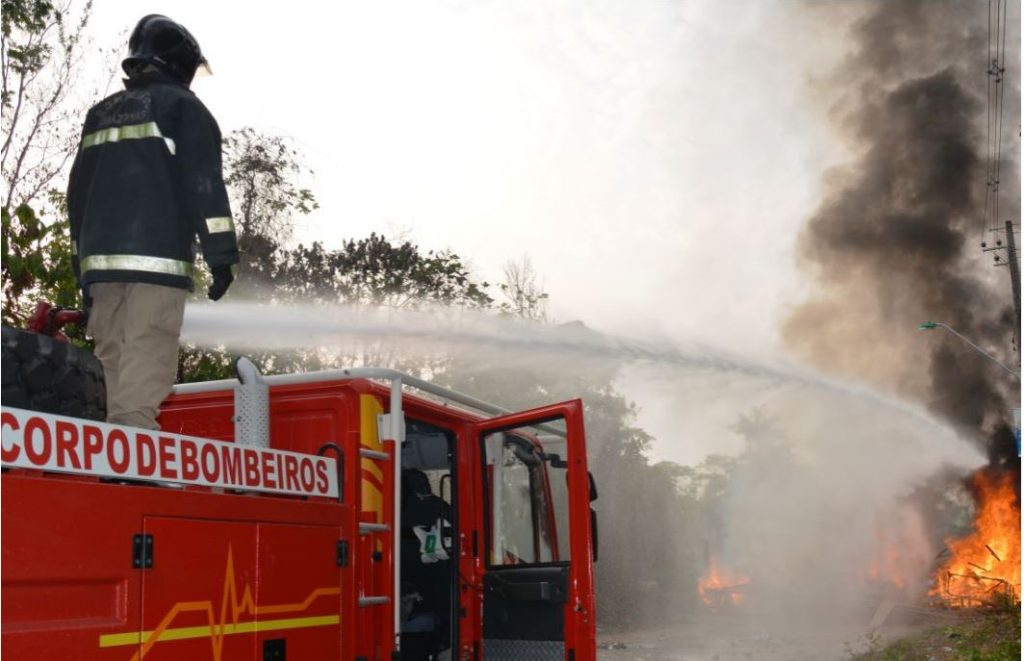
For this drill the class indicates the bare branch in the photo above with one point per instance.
(39, 104)
(524, 296)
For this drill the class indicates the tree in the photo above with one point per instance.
(262, 173)
(37, 259)
(374, 271)
(524, 297)
(759, 430)
(708, 481)
(42, 60)
(43, 56)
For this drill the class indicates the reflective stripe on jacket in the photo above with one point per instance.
(146, 182)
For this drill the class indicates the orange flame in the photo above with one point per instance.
(886, 568)
(901, 550)
(985, 564)
(718, 588)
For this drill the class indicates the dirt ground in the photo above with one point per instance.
(728, 640)
(706, 643)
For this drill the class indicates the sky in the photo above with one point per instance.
(655, 160)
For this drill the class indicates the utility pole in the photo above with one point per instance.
(1011, 262)
(1011, 255)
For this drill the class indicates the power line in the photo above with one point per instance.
(999, 111)
(997, 26)
(988, 128)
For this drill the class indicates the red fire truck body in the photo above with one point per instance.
(375, 524)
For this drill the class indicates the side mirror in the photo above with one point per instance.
(555, 460)
(593, 486)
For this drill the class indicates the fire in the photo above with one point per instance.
(985, 565)
(901, 549)
(721, 588)
(886, 568)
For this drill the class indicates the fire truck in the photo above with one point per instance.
(356, 514)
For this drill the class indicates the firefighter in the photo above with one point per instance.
(146, 181)
(426, 568)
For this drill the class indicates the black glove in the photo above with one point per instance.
(222, 279)
(86, 298)
(83, 317)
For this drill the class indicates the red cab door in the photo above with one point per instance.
(538, 586)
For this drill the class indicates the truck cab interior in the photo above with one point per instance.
(428, 562)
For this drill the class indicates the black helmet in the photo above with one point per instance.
(167, 45)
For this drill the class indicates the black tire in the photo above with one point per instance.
(46, 375)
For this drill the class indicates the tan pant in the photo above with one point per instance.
(136, 328)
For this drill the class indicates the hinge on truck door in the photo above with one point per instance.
(142, 551)
(387, 427)
(342, 552)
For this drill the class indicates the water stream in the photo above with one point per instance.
(816, 510)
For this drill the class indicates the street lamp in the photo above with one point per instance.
(929, 325)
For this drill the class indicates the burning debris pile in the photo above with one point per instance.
(984, 568)
(721, 589)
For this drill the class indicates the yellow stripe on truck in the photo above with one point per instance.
(371, 496)
(184, 633)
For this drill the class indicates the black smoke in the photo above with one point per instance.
(895, 240)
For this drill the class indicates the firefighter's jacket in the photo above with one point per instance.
(146, 181)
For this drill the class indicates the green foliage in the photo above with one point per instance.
(26, 14)
(1004, 651)
(375, 271)
(262, 169)
(975, 637)
(29, 15)
(21, 21)
(195, 364)
(40, 53)
(262, 173)
(36, 263)
(707, 481)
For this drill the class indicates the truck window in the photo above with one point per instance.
(558, 478)
(527, 500)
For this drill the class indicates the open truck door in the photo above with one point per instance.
(538, 585)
